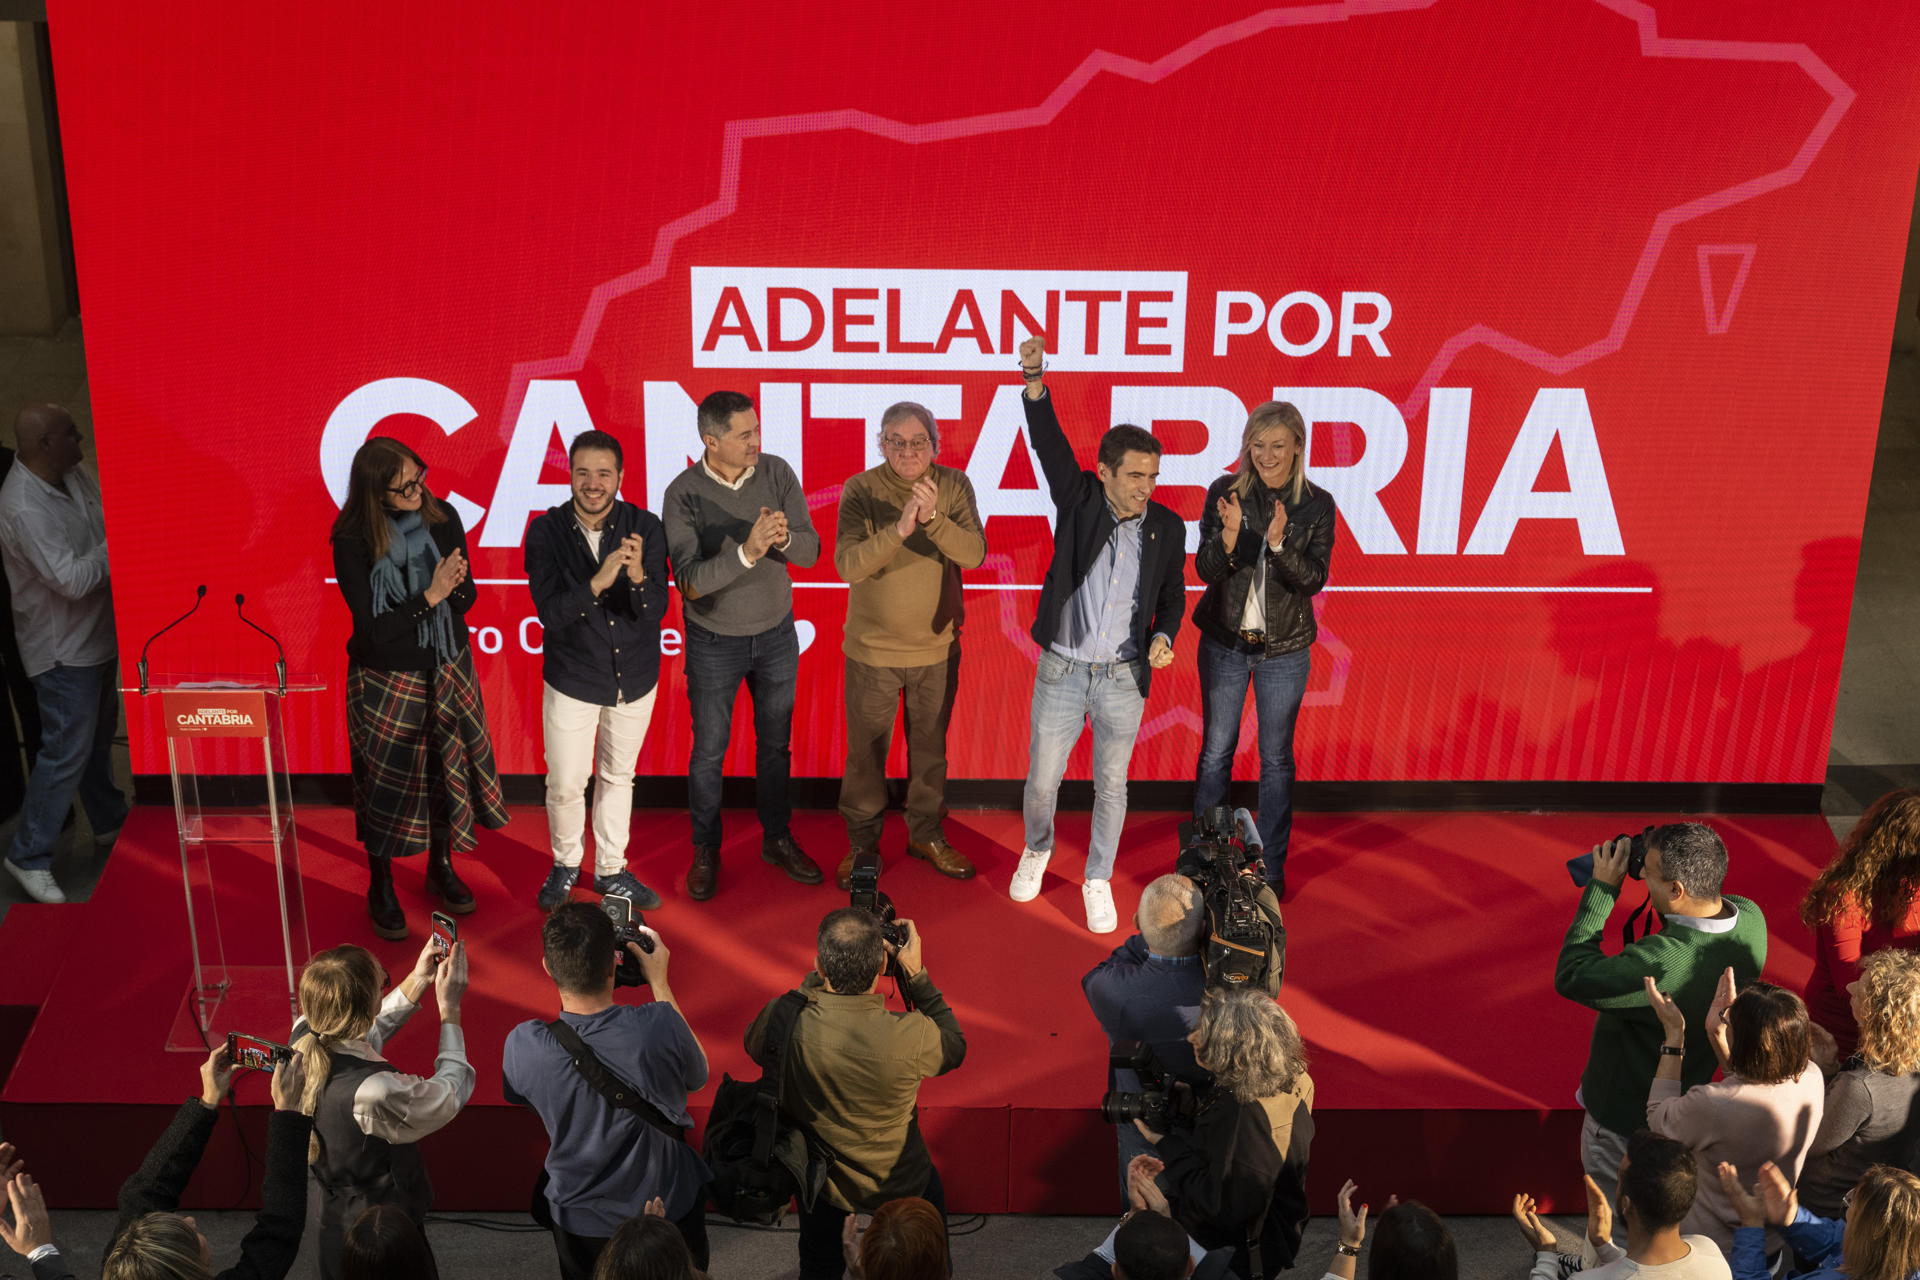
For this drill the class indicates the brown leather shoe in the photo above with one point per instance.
(786, 855)
(843, 876)
(703, 877)
(946, 859)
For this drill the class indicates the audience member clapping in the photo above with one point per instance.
(151, 1241)
(367, 1117)
(907, 1240)
(1239, 1174)
(385, 1244)
(1148, 1244)
(1765, 1107)
(1866, 900)
(1410, 1242)
(1870, 1115)
(1878, 1240)
(1659, 1181)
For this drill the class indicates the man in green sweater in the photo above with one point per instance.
(907, 529)
(1702, 933)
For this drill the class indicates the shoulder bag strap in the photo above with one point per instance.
(604, 1083)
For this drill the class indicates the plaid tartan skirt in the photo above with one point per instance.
(423, 769)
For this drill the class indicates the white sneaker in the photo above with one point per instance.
(1098, 895)
(1026, 877)
(40, 885)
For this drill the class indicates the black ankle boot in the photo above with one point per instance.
(441, 880)
(388, 920)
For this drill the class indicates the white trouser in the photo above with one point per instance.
(584, 738)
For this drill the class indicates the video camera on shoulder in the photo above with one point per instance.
(255, 1053)
(626, 928)
(1245, 944)
(1163, 1102)
(1580, 869)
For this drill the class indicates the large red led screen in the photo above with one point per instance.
(1587, 304)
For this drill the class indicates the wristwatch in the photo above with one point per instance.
(1351, 1250)
(1673, 1051)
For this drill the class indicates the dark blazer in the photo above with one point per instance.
(1085, 524)
(1227, 1179)
(606, 648)
(387, 642)
(1295, 574)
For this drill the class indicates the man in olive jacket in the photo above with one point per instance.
(853, 1073)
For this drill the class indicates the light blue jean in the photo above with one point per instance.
(1279, 686)
(1067, 696)
(79, 712)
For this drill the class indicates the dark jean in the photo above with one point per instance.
(79, 713)
(821, 1256)
(769, 664)
(1279, 684)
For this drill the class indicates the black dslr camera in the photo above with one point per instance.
(626, 928)
(864, 895)
(1163, 1102)
(1243, 946)
(1580, 869)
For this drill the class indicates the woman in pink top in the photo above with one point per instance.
(1765, 1107)
(1866, 900)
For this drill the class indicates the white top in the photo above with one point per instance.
(1254, 616)
(393, 1105)
(54, 544)
(1703, 1262)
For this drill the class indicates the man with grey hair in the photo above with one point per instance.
(1149, 991)
(53, 540)
(907, 529)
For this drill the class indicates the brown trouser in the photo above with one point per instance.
(873, 698)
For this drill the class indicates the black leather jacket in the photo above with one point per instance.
(1295, 574)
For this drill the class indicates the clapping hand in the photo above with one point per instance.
(448, 574)
(1538, 1233)
(1142, 1191)
(767, 531)
(850, 1246)
(1672, 1021)
(1353, 1226)
(1725, 992)
(1228, 509)
(635, 546)
(29, 1227)
(1599, 1214)
(1277, 526)
(909, 514)
(1772, 1200)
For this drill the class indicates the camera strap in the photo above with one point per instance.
(603, 1082)
(1647, 926)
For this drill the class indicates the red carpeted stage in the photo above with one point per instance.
(1420, 960)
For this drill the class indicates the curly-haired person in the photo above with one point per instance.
(1866, 900)
(1870, 1116)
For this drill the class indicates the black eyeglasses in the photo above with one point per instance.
(412, 488)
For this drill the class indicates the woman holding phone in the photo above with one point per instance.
(423, 770)
(366, 1115)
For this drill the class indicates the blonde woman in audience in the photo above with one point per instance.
(1878, 1240)
(1870, 1116)
(366, 1115)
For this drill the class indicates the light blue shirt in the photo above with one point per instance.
(1097, 624)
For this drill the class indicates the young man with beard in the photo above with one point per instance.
(597, 568)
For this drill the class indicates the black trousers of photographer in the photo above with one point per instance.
(821, 1256)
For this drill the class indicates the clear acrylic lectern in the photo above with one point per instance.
(239, 854)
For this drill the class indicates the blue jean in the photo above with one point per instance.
(79, 712)
(769, 664)
(1067, 695)
(1279, 684)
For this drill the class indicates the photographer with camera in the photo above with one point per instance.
(607, 1159)
(151, 1241)
(1236, 1176)
(1148, 992)
(1703, 933)
(853, 1073)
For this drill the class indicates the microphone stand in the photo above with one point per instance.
(280, 667)
(199, 594)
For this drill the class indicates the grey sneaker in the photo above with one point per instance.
(624, 884)
(560, 882)
(39, 884)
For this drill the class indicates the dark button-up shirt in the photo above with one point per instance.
(602, 649)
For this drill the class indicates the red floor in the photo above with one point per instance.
(1420, 960)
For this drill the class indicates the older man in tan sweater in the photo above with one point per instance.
(907, 529)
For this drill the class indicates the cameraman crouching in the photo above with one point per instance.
(605, 1163)
(1238, 1178)
(853, 1075)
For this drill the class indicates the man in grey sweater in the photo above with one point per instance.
(735, 520)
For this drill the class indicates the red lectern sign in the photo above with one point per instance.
(215, 713)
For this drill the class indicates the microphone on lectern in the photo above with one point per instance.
(280, 667)
(200, 593)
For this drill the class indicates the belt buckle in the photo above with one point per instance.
(1253, 637)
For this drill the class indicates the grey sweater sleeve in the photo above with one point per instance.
(1849, 1107)
(696, 577)
(803, 540)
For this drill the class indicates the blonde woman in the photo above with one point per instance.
(1878, 1239)
(1266, 541)
(1870, 1116)
(366, 1115)
(1866, 900)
